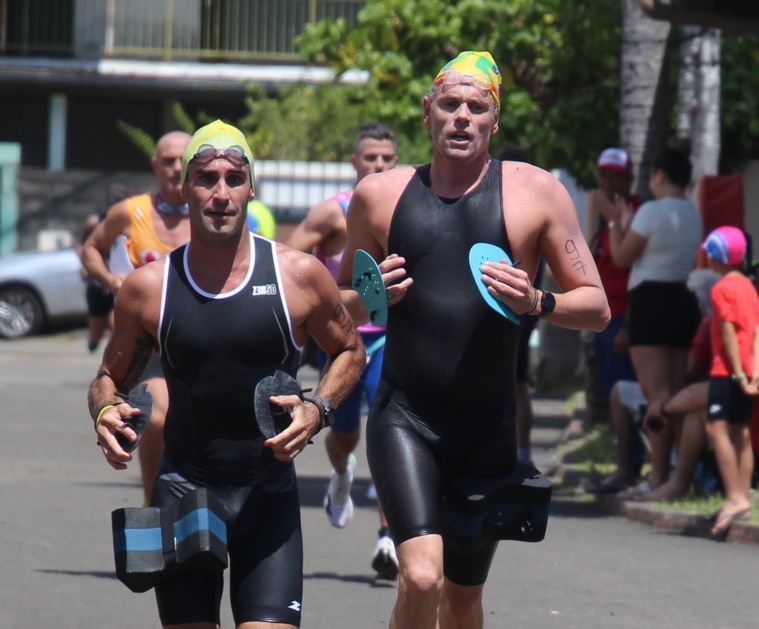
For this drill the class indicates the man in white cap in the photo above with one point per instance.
(610, 347)
(226, 311)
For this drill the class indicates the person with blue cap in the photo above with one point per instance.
(445, 407)
(228, 311)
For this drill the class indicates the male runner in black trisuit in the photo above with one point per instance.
(225, 311)
(446, 406)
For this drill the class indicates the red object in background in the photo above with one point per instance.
(720, 201)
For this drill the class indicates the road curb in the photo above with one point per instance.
(570, 475)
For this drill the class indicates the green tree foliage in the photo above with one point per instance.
(559, 60)
(740, 102)
(561, 95)
(140, 138)
(305, 122)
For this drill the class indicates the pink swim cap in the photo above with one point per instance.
(727, 245)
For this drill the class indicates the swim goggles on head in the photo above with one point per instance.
(207, 153)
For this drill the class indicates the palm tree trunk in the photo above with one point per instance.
(644, 80)
(698, 120)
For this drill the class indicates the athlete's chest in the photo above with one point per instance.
(246, 327)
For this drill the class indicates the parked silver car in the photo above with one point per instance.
(38, 289)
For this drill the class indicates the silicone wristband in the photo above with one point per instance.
(102, 410)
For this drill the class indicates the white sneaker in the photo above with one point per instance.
(337, 502)
(385, 561)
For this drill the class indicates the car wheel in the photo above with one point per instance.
(21, 312)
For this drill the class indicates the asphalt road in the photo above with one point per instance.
(56, 565)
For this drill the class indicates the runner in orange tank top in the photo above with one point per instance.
(153, 225)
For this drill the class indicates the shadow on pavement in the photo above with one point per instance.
(100, 574)
(349, 578)
(565, 507)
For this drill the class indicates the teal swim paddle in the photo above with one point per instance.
(367, 282)
(479, 254)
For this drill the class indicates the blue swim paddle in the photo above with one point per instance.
(367, 282)
(479, 254)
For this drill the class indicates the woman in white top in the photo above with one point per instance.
(660, 247)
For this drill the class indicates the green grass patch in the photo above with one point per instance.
(695, 504)
(702, 505)
(596, 453)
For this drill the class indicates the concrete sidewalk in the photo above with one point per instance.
(659, 515)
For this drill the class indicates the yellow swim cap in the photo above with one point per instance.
(480, 67)
(220, 136)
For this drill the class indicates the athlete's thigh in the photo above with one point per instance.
(191, 598)
(405, 472)
(468, 569)
(185, 598)
(266, 560)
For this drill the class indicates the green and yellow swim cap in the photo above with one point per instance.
(477, 65)
(219, 135)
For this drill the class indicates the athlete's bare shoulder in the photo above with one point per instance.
(146, 281)
(524, 172)
(387, 181)
(534, 186)
(307, 285)
(376, 195)
(140, 294)
(300, 269)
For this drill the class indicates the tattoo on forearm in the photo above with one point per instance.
(574, 254)
(343, 318)
(143, 350)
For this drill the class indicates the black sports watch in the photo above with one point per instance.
(547, 304)
(326, 410)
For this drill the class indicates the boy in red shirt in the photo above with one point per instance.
(734, 375)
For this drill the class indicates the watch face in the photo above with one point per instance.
(548, 303)
(329, 412)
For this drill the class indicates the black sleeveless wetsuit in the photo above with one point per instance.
(214, 350)
(446, 406)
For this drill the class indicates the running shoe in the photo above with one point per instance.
(385, 561)
(337, 502)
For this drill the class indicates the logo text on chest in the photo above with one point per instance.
(264, 289)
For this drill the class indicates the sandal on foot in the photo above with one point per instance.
(607, 487)
(632, 493)
(722, 524)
